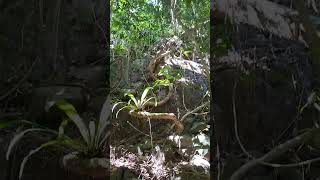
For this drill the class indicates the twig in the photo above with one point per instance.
(184, 105)
(279, 150)
(137, 129)
(194, 110)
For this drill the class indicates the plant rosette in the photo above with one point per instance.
(86, 158)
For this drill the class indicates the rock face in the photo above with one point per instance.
(269, 90)
(193, 84)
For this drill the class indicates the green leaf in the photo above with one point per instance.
(18, 136)
(133, 99)
(104, 118)
(11, 123)
(162, 82)
(115, 105)
(92, 130)
(73, 143)
(186, 53)
(71, 112)
(144, 94)
(63, 124)
(26, 158)
(125, 107)
(150, 100)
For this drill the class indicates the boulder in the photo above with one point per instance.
(40, 96)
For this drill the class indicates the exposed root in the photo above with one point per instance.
(158, 116)
(151, 74)
(163, 101)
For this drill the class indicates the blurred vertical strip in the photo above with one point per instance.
(106, 25)
(213, 141)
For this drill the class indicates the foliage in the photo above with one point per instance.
(93, 136)
(194, 20)
(136, 25)
(170, 75)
